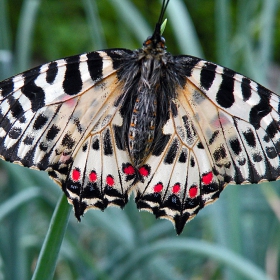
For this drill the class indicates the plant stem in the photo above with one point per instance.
(47, 260)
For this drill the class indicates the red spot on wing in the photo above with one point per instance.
(144, 171)
(193, 191)
(76, 174)
(207, 178)
(158, 187)
(110, 181)
(129, 170)
(176, 188)
(92, 176)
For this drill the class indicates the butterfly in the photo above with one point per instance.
(175, 130)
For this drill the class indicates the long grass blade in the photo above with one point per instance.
(25, 34)
(47, 260)
(203, 248)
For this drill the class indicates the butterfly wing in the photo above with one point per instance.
(60, 117)
(223, 128)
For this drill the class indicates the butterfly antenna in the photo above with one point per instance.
(162, 12)
(157, 33)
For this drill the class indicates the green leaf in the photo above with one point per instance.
(47, 260)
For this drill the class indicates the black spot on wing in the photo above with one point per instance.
(213, 137)
(52, 132)
(271, 152)
(78, 124)
(242, 161)
(174, 109)
(272, 129)
(85, 146)
(220, 153)
(11, 154)
(40, 121)
(72, 83)
(120, 141)
(22, 119)
(53, 174)
(15, 107)
(51, 72)
(108, 148)
(95, 65)
(28, 140)
(266, 138)
(225, 96)
(207, 75)
(171, 154)
(192, 162)
(15, 132)
(212, 187)
(257, 157)
(28, 158)
(68, 141)
(95, 145)
(45, 162)
(183, 157)
(188, 127)
(250, 138)
(34, 93)
(6, 124)
(261, 109)
(43, 146)
(200, 146)
(235, 146)
(246, 89)
(7, 87)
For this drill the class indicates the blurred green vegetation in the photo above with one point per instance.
(236, 238)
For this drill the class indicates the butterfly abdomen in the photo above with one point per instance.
(142, 126)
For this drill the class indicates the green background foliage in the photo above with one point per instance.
(235, 238)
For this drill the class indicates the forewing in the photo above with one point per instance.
(242, 129)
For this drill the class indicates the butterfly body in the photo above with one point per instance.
(149, 87)
(173, 129)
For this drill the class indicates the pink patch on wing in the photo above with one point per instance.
(207, 178)
(193, 191)
(76, 174)
(158, 188)
(176, 188)
(110, 181)
(70, 102)
(92, 176)
(64, 158)
(217, 122)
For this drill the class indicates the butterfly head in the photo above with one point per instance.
(156, 43)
